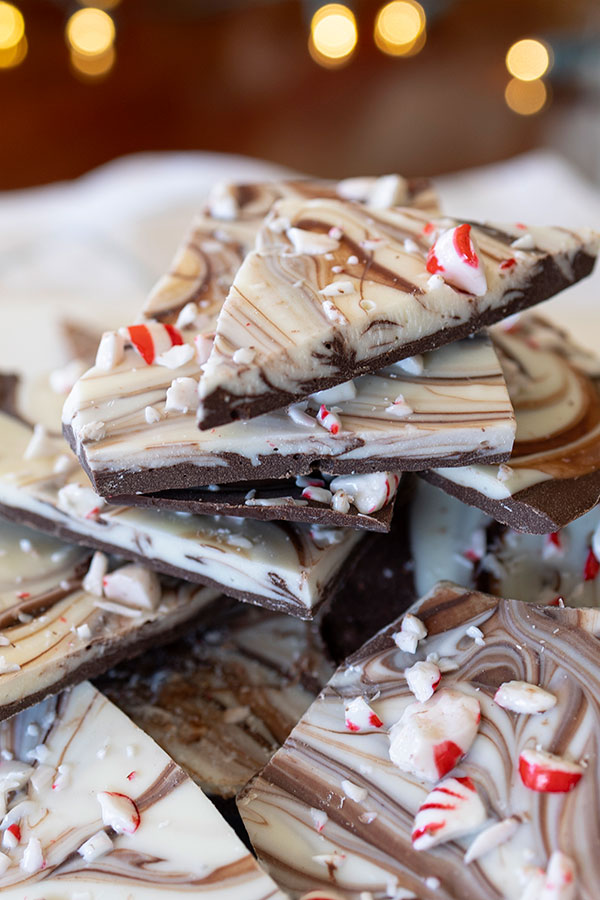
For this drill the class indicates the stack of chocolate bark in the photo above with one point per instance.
(310, 416)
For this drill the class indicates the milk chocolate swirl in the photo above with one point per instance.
(358, 851)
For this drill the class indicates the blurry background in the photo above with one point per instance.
(330, 89)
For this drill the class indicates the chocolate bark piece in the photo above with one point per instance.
(300, 317)
(55, 633)
(206, 261)
(100, 810)
(223, 698)
(279, 500)
(291, 567)
(553, 475)
(450, 406)
(332, 811)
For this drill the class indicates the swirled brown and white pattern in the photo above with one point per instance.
(364, 844)
(553, 475)
(205, 263)
(287, 566)
(66, 751)
(223, 699)
(54, 633)
(456, 410)
(297, 321)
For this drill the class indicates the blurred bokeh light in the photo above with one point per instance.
(400, 28)
(90, 31)
(12, 26)
(528, 59)
(526, 97)
(333, 34)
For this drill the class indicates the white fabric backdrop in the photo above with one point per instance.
(90, 249)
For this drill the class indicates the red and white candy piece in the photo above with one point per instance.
(359, 717)
(399, 408)
(318, 494)
(591, 566)
(422, 679)
(547, 773)
(412, 630)
(98, 845)
(119, 812)
(523, 697)
(452, 809)
(553, 545)
(133, 585)
(33, 858)
(110, 351)
(152, 339)
(432, 737)
(491, 837)
(182, 396)
(369, 493)
(329, 420)
(455, 257)
(560, 882)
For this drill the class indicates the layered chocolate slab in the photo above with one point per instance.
(454, 757)
(285, 566)
(553, 475)
(335, 290)
(450, 406)
(223, 698)
(58, 628)
(95, 809)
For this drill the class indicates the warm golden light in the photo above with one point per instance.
(333, 34)
(12, 26)
(87, 66)
(400, 28)
(528, 59)
(526, 97)
(90, 32)
(11, 57)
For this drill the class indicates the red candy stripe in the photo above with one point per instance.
(446, 756)
(592, 567)
(463, 245)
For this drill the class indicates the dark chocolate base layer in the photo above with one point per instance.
(221, 407)
(540, 509)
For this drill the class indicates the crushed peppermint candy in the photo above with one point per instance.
(152, 339)
(92, 431)
(336, 288)
(119, 812)
(547, 773)
(524, 242)
(333, 313)
(329, 420)
(319, 818)
(354, 791)
(80, 501)
(360, 717)
(187, 315)
(412, 630)
(134, 585)
(476, 634)
(369, 492)
(450, 811)
(523, 697)
(560, 882)
(93, 579)
(33, 858)
(490, 838)
(244, 356)
(97, 845)
(151, 415)
(318, 495)
(422, 679)
(340, 502)
(455, 257)
(431, 738)
(312, 243)
(182, 396)
(111, 351)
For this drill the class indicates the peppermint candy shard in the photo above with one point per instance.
(491, 837)
(153, 338)
(451, 810)
(119, 812)
(523, 697)
(431, 738)
(422, 679)
(359, 717)
(560, 880)
(455, 257)
(547, 773)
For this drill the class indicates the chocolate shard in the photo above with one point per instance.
(291, 567)
(97, 809)
(553, 475)
(223, 698)
(450, 406)
(372, 799)
(55, 632)
(305, 499)
(335, 290)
